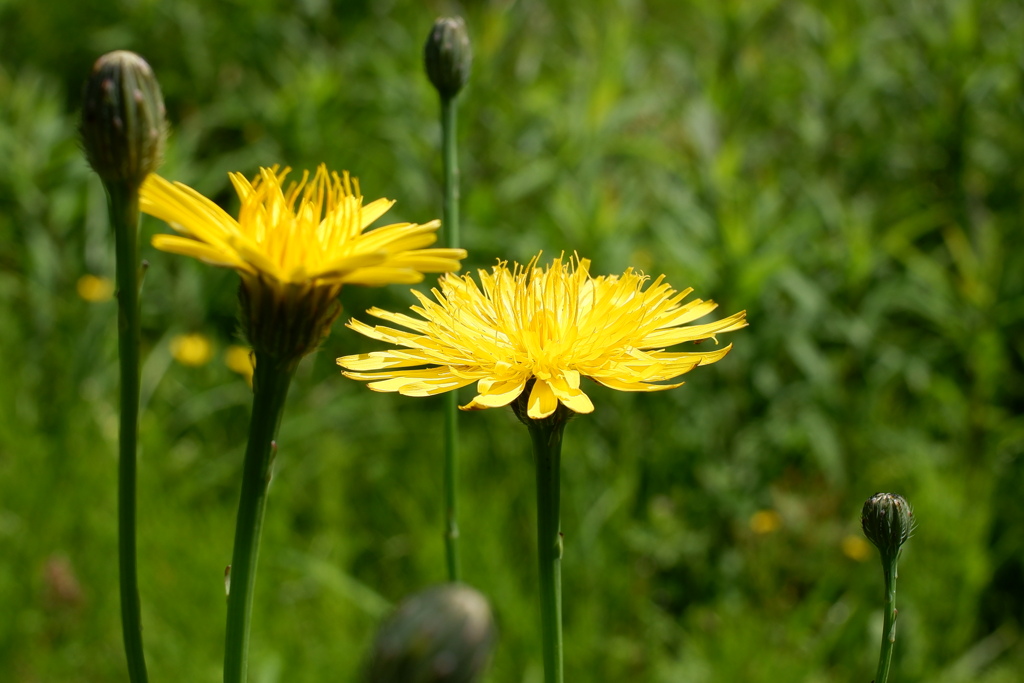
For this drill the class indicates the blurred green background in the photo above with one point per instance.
(850, 173)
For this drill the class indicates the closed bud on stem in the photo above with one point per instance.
(442, 635)
(123, 118)
(888, 522)
(448, 56)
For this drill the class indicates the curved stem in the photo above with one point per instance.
(270, 388)
(450, 227)
(123, 204)
(547, 449)
(889, 621)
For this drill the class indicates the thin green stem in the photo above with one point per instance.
(450, 228)
(270, 388)
(451, 465)
(547, 449)
(889, 620)
(123, 203)
(450, 159)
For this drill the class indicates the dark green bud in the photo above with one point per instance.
(123, 118)
(448, 56)
(887, 521)
(442, 635)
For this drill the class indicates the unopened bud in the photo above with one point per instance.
(442, 635)
(123, 118)
(448, 56)
(887, 521)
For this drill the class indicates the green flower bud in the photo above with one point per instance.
(123, 118)
(442, 635)
(888, 522)
(448, 56)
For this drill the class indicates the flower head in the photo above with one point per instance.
(448, 56)
(95, 289)
(444, 634)
(123, 118)
(193, 350)
(551, 325)
(888, 521)
(295, 246)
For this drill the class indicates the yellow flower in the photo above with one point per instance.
(765, 521)
(552, 326)
(95, 289)
(295, 247)
(192, 349)
(856, 548)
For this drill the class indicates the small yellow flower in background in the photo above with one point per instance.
(550, 325)
(95, 289)
(856, 548)
(192, 349)
(765, 521)
(239, 359)
(295, 246)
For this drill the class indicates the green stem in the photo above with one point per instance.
(123, 203)
(451, 463)
(270, 388)
(889, 621)
(450, 159)
(450, 225)
(547, 449)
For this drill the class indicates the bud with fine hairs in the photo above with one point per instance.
(123, 118)
(444, 634)
(448, 56)
(888, 522)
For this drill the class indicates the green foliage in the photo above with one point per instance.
(850, 173)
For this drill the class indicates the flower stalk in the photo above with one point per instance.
(271, 380)
(546, 434)
(888, 622)
(123, 199)
(122, 128)
(547, 448)
(448, 58)
(887, 521)
(450, 229)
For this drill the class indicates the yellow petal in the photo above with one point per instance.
(542, 401)
(187, 246)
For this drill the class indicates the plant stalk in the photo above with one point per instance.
(123, 205)
(547, 449)
(270, 388)
(889, 620)
(450, 228)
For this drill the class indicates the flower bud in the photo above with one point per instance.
(123, 118)
(442, 635)
(448, 56)
(887, 521)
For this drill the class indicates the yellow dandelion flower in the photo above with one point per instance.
(856, 548)
(295, 246)
(95, 289)
(193, 350)
(765, 521)
(549, 327)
